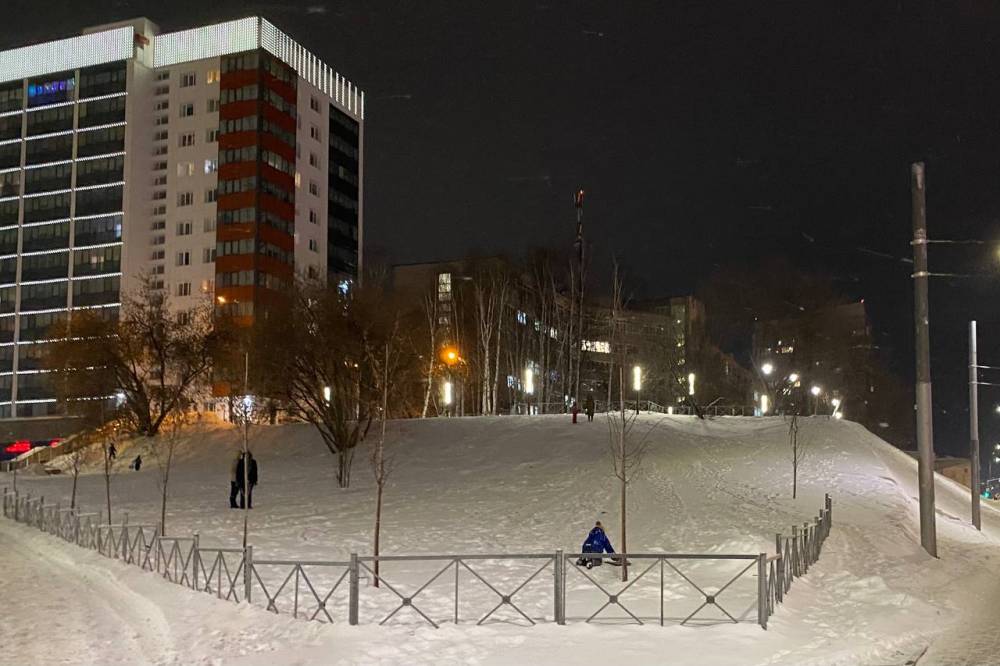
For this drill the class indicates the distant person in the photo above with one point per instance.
(137, 463)
(575, 409)
(112, 451)
(250, 478)
(235, 482)
(588, 406)
(597, 542)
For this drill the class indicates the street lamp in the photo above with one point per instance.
(767, 368)
(637, 385)
(793, 378)
(691, 384)
(326, 394)
(764, 404)
(815, 391)
(447, 394)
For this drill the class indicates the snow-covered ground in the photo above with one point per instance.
(519, 484)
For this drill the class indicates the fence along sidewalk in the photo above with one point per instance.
(307, 588)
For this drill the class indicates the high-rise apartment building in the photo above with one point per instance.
(217, 162)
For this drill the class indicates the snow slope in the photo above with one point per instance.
(520, 484)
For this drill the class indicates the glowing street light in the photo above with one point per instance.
(835, 402)
(691, 383)
(529, 381)
(447, 393)
(637, 385)
(326, 394)
(767, 368)
(815, 390)
(764, 404)
(794, 377)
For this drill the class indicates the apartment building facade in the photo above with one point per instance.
(217, 163)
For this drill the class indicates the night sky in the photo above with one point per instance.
(704, 133)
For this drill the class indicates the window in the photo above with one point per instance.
(161, 90)
(157, 255)
(315, 133)
(185, 199)
(211, 166)
(159, 166)
(183, 228)
(187, 110)
(188, 79)
(161, 120)
(185, 168)
(208, 255)
(212, 135)
(184, 258)
(184, 289)
(314, 104)
(159, 210)
(211, 195)
(444, 287)
(212, 76)
(213, 106)
(207, 286)
(163, 76)
(186, 139)
(162, 105)
(161, 135)
(313, 245)
(313, 159)
(209, 224)
(313, 216)
(313, 188)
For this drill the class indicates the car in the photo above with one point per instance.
(14, 449)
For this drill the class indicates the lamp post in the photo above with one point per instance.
(816, 391)
(637, 385)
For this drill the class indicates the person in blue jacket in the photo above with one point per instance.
(597, 542)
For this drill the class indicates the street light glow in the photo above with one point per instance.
(835, 402)
(637, 378)
(767, 368)
(764, 405)
(794, 377)
(815, 390)
(326, 394)
(691, 383)
(447, 393)
(529, 381)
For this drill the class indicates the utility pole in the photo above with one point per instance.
(246, 446)
(925, 428)
(580, 248)
(974, 426)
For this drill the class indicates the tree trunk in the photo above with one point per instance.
(107, 479)
(624, 476)
(378, 525)
(344, 467)
(76, 475)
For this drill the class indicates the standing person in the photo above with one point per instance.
(137, 463)
(112, 451)
(250, 477)
(588, 406)
(235, 482)
(575, 409)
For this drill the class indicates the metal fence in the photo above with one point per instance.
(682, 588)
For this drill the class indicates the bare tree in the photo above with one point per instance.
(150, 358)
(163, 452)
(109, 435)
(386, 367)
(490, 292)
(430, 309)
(798, 451)
(626, 450)
(75, 463)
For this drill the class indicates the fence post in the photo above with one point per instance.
(762, 590)
(559, 590)
(196, 557)
(247, 572)
(780, 567)
(123, 537)
(40, 516)
(352, 610)
(829, 504)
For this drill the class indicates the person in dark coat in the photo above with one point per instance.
(597, 542)
(251, 478)
(575, 409)
(112, 451)
(588, 406)
(137, 463)
(235, 482)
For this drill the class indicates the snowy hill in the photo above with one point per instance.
(521, 484)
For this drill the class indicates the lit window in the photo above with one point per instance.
(598, 346)
(185, 168)
(212, 76)
(211, 166)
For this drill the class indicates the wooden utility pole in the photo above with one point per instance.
(974, 426)
(925, 428)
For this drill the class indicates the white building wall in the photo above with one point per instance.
(311, 165)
